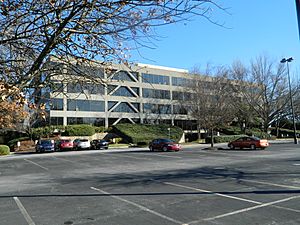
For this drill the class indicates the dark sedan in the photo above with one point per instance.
(164, 145)
(45, 146)
(99, 144)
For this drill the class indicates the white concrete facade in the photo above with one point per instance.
(146, 95)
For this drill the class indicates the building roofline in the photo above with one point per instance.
(162, 68)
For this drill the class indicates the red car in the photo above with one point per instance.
(64, 145)
(249, 142)
(164, 145)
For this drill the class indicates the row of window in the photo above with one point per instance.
(85, 87)
(184, 124)
(91, 88)
(123, 107)
(155, 79)
(122, 75)
(99, 106)
(85, 105)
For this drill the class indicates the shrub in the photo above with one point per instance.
(100, 129)
(40, 132)
(135, 133)
(79, 130)
(4, 150)
(223, 138)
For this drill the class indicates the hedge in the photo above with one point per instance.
(223, 138)
(143, 133)
(4, 150)
(102, 129)
(79, 130)
(40, 132)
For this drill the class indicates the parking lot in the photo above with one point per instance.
(127, 187)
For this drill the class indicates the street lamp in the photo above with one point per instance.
(287, 61)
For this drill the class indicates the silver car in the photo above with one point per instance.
(81, 144)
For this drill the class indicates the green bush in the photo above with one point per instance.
(100, 129)
(4, 150)
(79, 130)
(231, 130)
(223, 138)
(40, 132)
(144, 133)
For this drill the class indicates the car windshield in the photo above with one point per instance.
(84, 140)
(255, 138)
(46, 142)
(167, 140)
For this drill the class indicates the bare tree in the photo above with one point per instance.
(79, 32)
(40, 39)
(209, 101)
(263, 89)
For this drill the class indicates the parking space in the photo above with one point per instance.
(142, 187)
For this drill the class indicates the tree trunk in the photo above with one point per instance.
(212, 138)
(199, 131)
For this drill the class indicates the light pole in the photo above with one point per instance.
(287, 61)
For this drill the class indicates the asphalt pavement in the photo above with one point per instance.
(136, 186)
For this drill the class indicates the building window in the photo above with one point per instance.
(156, 108)
(91, 71)
(124, 107)
(124, 76)
(86, 120)
(179, 109)
(123, 91)
(179, 81)
(183, 96)
(56, 121)
(155, 79)
(88, 87)
(85, 105)
(154, 93)
(56, 104)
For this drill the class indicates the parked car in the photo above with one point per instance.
(248, 142)
(64, 145)
(45, 145)
(164, 145)
(99, 144)
(79, 144)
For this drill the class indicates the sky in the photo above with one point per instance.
(251, 28)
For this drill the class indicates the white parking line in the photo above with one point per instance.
(139, 206)
(211, 192)
(27, 160)
(23, 211)
(267, 183)
(251, 208)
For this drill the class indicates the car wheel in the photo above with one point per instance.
(252, 147)
(231, 146)
(105, 147)
(165, 149)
